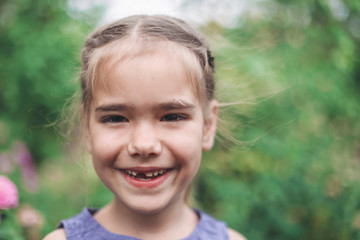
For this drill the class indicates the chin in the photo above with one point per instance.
(148, 205)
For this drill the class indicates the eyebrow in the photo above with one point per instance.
(176, 105)
(172, 105)
(113, 107)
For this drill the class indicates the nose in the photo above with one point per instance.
(144, 142)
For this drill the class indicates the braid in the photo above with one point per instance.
(211, 60)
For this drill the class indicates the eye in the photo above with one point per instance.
(173, 117)
(114, 119)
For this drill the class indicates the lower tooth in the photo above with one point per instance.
(143, 179)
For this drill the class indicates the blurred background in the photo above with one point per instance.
(292, 67)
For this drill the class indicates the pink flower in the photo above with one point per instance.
(9, 197)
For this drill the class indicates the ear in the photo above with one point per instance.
(210, 126)
(85, 128)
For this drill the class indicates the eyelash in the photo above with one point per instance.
(114, 119)
(174, 117)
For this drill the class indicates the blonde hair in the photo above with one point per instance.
(135, 34)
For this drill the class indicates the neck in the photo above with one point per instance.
(176, 220)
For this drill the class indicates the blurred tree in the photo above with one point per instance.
(300, 180)
(40, 44)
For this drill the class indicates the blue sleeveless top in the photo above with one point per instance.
(84, 226)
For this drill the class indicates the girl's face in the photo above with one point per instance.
(147, 131)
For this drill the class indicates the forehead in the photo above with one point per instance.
(112, 57)
(147, 76)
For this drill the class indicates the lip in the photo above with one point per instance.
(148, 184)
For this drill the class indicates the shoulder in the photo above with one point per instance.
(217, 229)
(234, 235)
(58, 234)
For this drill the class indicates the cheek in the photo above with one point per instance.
(187, 146)
(105, 145)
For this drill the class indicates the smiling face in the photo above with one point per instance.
(146, 131)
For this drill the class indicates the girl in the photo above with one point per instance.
(148, 112)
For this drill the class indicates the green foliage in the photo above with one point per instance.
(39, 52)
(295, 69)
(299, 178)
(40, 44)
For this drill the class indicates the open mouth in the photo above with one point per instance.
(145, 176)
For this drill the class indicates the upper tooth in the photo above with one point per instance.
(148, 174)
